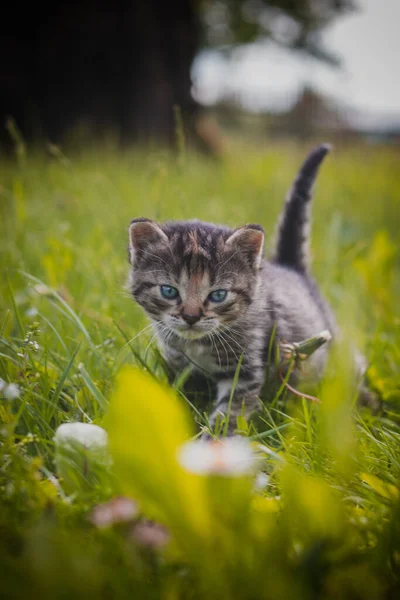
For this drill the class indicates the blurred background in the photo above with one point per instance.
(255, 68)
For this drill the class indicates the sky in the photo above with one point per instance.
(264, 76)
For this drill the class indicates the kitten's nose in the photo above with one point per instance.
(190, 319)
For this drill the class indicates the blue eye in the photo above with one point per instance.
(218, 296)
(169, 292)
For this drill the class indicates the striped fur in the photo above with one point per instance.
(197, 258)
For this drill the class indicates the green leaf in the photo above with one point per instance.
(147, 425)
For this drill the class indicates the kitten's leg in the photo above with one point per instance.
(197, 388)
(245, 399)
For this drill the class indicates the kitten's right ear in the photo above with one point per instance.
(249, 240)
(143, 232)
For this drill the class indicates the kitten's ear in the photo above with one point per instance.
(249, 240)
(143, 232)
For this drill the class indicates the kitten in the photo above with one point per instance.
(212, 297)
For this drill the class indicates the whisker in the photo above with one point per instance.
(214, 345)
(226, 338)
(230, 330)
(222, 341)
(227, 331)
(124, 293)
(136, 336)
(167, 336)
(221, 336)
(157, 333)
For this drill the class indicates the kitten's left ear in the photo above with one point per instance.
(249, 240)
(142, 233)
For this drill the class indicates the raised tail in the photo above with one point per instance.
(292, 242)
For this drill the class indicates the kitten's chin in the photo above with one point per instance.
(190, 334)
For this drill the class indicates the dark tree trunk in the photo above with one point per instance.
(118, 66)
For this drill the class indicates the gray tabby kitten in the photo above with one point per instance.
(212, 297)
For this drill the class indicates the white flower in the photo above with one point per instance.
(261, 482)
(82, 457)
(11, 391)
(231, 457)
(86, 434)
(31, 312)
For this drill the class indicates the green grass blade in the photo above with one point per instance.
(53, 294)
(101, 400)
(63, 377)
(268, 433)
(15, 307)
(234, 384)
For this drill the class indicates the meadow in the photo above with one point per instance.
(319, 516)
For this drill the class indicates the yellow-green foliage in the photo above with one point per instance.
(73, 347)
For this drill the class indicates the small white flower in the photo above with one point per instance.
(32, 312)
(231, 457)
(86, 434)
(11, 391)
(261, 482)
(81, 455)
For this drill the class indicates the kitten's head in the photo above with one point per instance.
(194, 277)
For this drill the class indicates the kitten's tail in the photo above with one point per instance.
(292, 243)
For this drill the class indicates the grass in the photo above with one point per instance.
(326, 525)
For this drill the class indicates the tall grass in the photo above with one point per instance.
(326, 524)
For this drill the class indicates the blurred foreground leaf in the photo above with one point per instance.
(147, 424)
